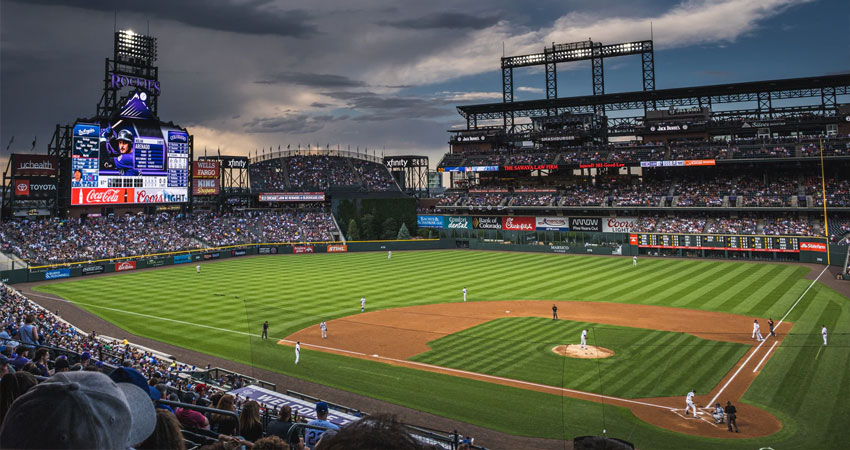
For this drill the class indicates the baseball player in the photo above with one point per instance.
(265, 334)
(584, 339)
(464, 294)
(297, 351)
(390, 254)
(362, 304)
(757, 331)
(554, 312)
(198, 268)
(823, 332)
(634, 261)
(689, 403)
(770, 324)
(324, 328)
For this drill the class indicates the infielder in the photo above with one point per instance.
(634, 261)
(757, 330)
(823, 332)
(198, 268)
(464, 294)
(584, 339)
(324, 328)
(362, 304)
(689, 403)
(297, 351)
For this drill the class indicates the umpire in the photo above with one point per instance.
(731, 412)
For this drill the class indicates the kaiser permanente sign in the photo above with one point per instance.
(529, 223)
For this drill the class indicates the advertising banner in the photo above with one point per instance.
(34, 165)
(518, 223)
(455, 222)
(205, 169)
(124, 266)
(813, 246)
(35, 187)
(22, 188)
(238, 252)
(215, 255)
(552, 223)
(679, 163)
(487, 223)
(292, 197)
(337, 248)
(91, 270)
(302, 249)
(202, 186)
(57, 273)
(303, 408)
(155, 262)
(181, 259)
(585, 224)
(559, 248)
(429, 221)
(512, 167)
(267, 250)
(619, 224)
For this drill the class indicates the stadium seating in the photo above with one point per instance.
(319, 173)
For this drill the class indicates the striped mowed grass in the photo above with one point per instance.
(216, 311)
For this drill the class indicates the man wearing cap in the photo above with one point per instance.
(85, 359)
(4, 366)
(79, 410)
(61, 365)
(312, 435)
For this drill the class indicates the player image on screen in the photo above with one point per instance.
(119, 146)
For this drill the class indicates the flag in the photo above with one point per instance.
(278, 147)
(287, 146)
(10, 143)
(33, 143)
(205, 151)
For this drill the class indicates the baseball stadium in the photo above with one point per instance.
(661, 268)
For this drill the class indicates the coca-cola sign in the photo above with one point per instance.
(101, 196)
(518, 223)
(125, 265)
(619, 225)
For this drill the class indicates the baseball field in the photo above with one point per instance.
(671, 325)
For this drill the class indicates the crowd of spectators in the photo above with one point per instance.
(680, 225)
(54, 241)
(320, 172)
(789, 226)
(698, 193)
(744, 225)
(374, 177)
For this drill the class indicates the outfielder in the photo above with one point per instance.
(757, 331)
(390, 254)
(584, 339)
(324, 328)
(823, 332)
(362, 304)
(634, 261)
(464, 294)
(297, 351)
(198, 268)
(689, 403)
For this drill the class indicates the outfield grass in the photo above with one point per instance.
(646, 363)
(296, 291)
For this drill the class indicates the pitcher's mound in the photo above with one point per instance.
(575, 351)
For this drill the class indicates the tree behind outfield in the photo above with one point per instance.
(353, 230)
(403, 232)
(389, 229)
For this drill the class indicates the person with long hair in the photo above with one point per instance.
(250, 426)
(166, 435)
(222, 423)
(12, 386)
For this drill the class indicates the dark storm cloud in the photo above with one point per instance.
(374, 107)
(445, 20)
(290, 123)
(258, 17)
(322, 80)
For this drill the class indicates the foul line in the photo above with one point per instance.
(762, 342)
(765, 356)
(399, 361)
(818, 355)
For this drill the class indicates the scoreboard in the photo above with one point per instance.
(786, 244)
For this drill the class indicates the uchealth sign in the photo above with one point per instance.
(552, 223)
(125, 265)
(585, 224)
(518, 223)
(34, 165)
(619, 224)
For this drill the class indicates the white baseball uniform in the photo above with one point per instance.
(297, 352)
(464, 294)
(757, 331)
(324, 328)
(634, 261)
(362, 304)
(198, 268)
(584, 339)
(823, 332)
(389, 254)
(689, 403)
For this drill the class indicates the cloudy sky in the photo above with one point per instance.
(252, 74)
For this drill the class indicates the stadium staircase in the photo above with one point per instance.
(284, 168)
(9, 261)
(338, 231)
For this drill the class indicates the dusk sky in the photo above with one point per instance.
(253, 74)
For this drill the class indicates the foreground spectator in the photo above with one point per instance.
(166, 435)
(79, 410)
(189, 417)
(376, 432)
(250, 426)
(221, 423)
(312, 437)
(12, 386)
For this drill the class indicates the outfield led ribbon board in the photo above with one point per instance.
(129, 160)
(679, 163)
(785, 244)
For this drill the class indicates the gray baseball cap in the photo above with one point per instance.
(76, 410)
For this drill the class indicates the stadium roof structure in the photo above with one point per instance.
(827, 87)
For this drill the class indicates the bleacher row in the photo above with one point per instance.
(634, 152)
(50, 241)
(728, 191)
(61, 387)
(306, 173)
